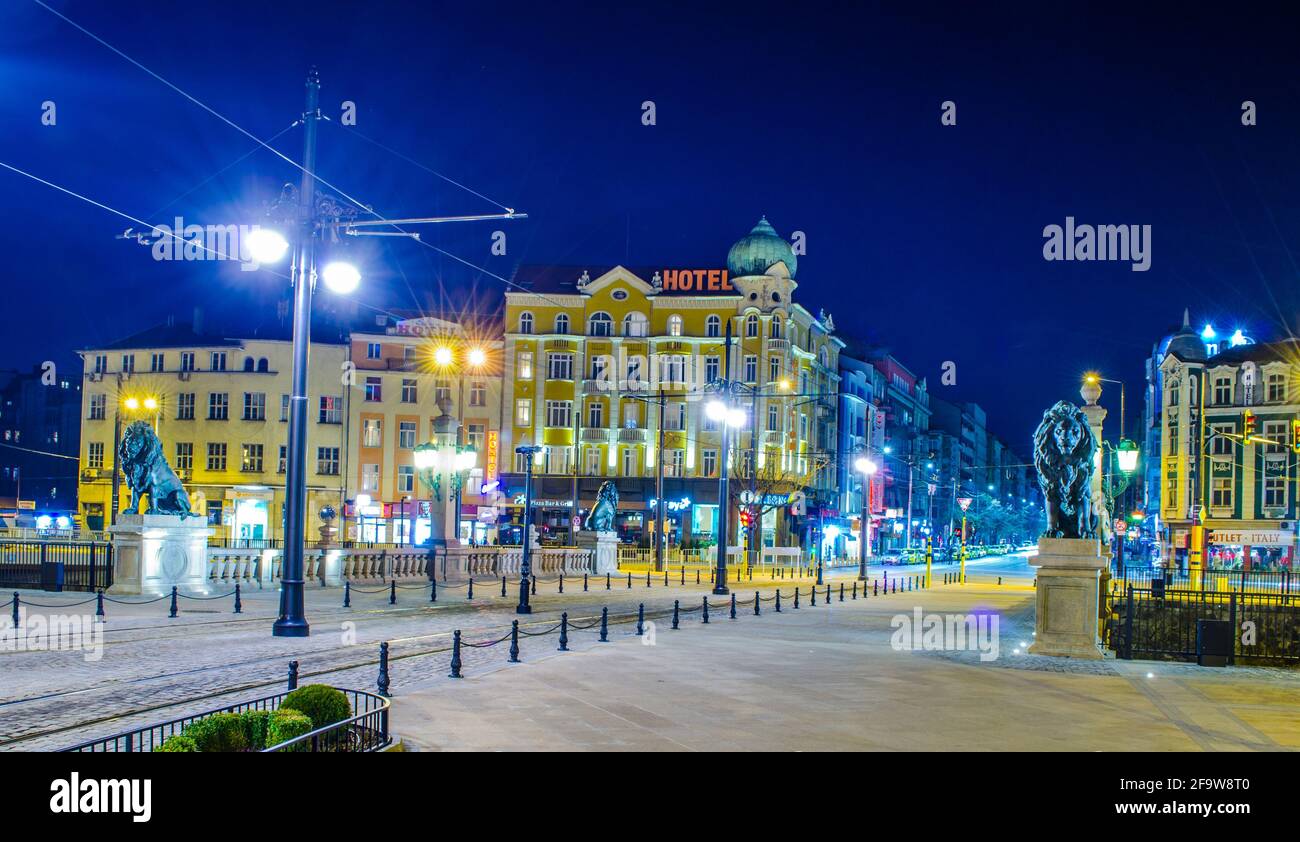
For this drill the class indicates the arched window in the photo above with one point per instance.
(525, 322)
(674, 325)
(248, 363)
(776, 327)
(823, 357)
(713, 326)
(751, 326)
(634, 324)
(600, 324)
(263, 365)
(562, 323)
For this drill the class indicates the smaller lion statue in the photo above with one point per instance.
(1064, 455)
(601, 518)
(147, 472)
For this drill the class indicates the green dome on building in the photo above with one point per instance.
(759, 251)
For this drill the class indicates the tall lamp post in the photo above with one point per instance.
(727, 415)
(444, 357)
(867, 468)
(529, 452)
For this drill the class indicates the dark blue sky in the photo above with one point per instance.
(824, 118)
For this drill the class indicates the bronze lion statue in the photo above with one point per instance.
(1065, 457)
(601, 518)
(147, 472)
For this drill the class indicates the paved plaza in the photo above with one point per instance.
(822, 677)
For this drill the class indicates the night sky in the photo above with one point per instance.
(921, 237)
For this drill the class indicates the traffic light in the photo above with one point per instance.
(744, 518)
(1295, 435)
(1248, 426)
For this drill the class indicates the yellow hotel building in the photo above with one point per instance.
(588, 356)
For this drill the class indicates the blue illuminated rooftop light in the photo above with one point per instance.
(1208, 334)
(1238, 338)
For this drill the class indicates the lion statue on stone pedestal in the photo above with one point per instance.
(1065, 457)
(601, 518)
(147, 472)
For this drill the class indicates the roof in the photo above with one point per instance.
(1287, 350)
(167, 336)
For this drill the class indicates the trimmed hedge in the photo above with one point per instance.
(220, 732)
(284, 725)
(255, 723)
(321, 703)
(175, 743)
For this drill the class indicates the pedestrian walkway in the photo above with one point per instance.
(828, 679)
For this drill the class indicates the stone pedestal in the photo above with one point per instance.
(151, 553)
(1069, 574)
(604, 546)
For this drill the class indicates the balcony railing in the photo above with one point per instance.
(778, 345)
(632, 435)
(595, 434)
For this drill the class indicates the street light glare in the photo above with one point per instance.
(151, 403)
(132, 404)
(341, 278)
(865, 465)
(266, 245)
(442, 355)
(477, 357)
(736, 417)
(715, 410)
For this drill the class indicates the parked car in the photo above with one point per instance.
(892, 557)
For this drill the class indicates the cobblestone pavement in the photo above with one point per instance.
(153, 665)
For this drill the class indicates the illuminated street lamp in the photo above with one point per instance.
(529, 452)
(1127, 456)
(131, 405)
(867, 468)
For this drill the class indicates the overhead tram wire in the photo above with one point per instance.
(233, 163)
(343, 193)
(148, 225)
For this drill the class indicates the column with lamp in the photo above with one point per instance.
(867, 468)
(722, 410)
(133, 406)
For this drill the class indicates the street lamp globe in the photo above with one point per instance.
(466, 459)
(131, 403)
(716, 410)
(865, 465)
(477, 357)
(266, 245)
(426, 457)
(736, 417)
(1127, 455)
(341, 278)
(150, 404)
(442, 356)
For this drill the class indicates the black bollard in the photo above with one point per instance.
(999, 580)
(640, 620)
(756, 601)
(433, 590)
(704, 617)
(813, 601)
(514, 642)
(677, 607)
(347, 594)
(606, 581)
(564, 632)
(828, 595)
(875, 588)
(455, 654)
(16, 623)
(469, 593)
(534, 586)
(855, 588)
(293, 676)
(647, 577)
(561, 581)
(629, 580)
(796, 597)
(503, 585)
(239, 604)
(683, 574)
(841, 591)
(382, 683)
(697, 577)
(392, 592)
(173, 611)
(733, 605)
(778, 600)
(604, 625)
(584, 582)
(665, 577)
(99, 603)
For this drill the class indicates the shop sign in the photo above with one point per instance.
(490, 471)
(1251, 538)
(749, 498)
(672, 505)
(543, 503)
